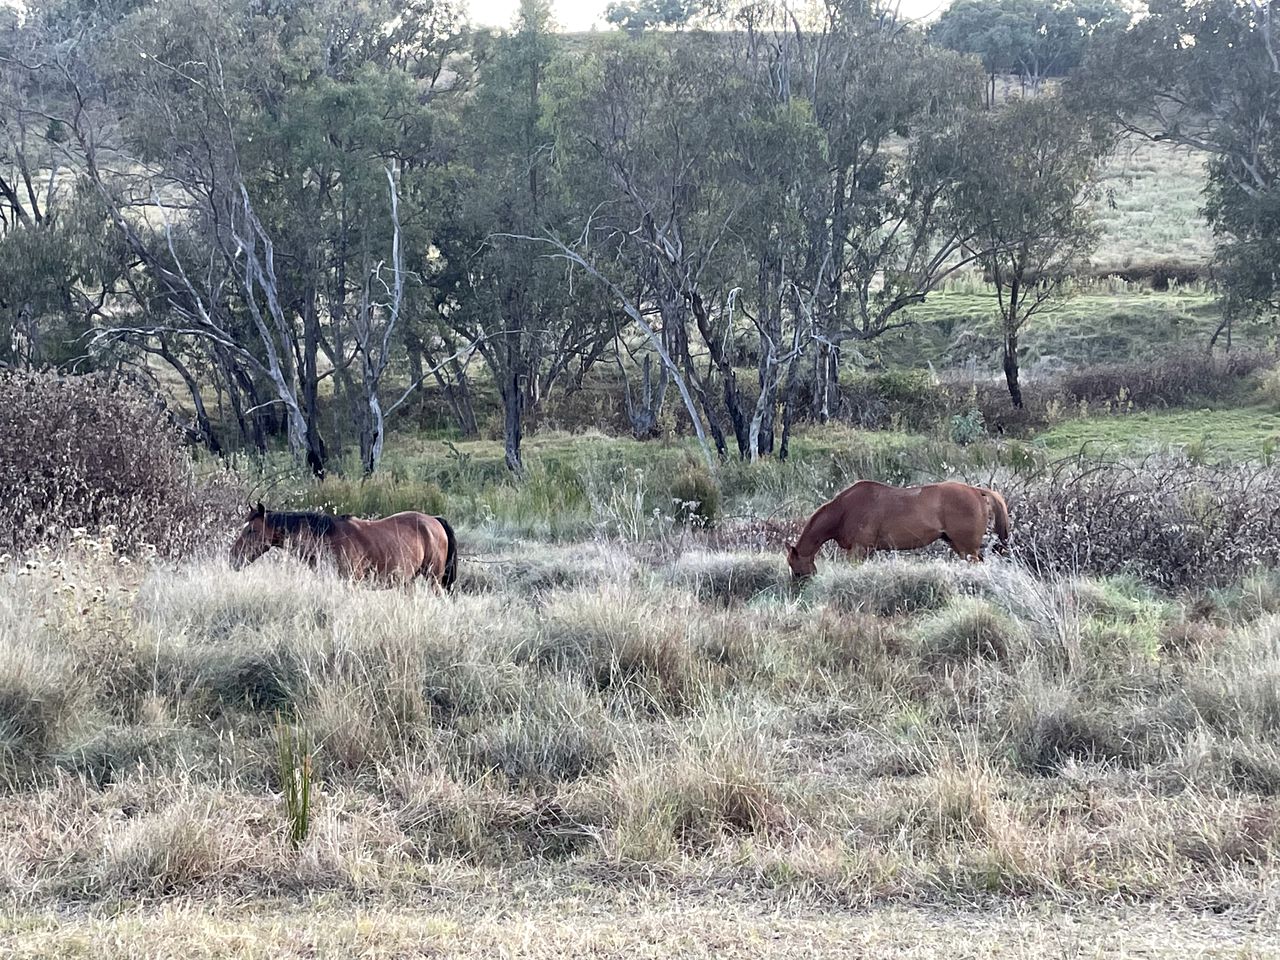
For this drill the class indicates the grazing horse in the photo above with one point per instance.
(394, 549)
(872, 516)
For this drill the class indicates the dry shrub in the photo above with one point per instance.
(1167, 382)
(91, 453)
(726, 577)
(1170, 522)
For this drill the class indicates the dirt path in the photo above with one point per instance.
(629, 928)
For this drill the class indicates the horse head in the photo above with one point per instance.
(256, 538)
(801, 567)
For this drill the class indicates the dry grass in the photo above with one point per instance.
(616, 925)
(899, 731)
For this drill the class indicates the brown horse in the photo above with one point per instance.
(872, 516)
(394, 549)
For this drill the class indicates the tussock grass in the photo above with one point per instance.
(40, 700)
(728, 577)
(965, 629)
(885, 587)
(162, 854)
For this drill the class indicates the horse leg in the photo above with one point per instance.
(964, 547)
(859, 552)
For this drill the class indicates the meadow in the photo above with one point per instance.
(589, 741)
(629, 732)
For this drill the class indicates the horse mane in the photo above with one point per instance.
(300, 521)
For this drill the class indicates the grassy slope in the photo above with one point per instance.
(1247, 433)
(1149, 210)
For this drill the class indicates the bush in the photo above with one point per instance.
(695, 497)
(903, 398)
(1172, 523)
(97, 454)
(968, 427)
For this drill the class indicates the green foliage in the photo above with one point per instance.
(295, 780)
(636, 17)
(1028, 37)
(968, 427)
(696, 496)
(1201, 74)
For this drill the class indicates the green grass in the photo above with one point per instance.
(1093, 326)
(1210, 435)
(1149, 209)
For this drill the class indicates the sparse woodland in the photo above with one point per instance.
(625, 307)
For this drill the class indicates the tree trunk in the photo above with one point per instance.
(1011, 342)
(316, 454)
(1011, 368)
(512, 430)
(203, 424)
(790, 394)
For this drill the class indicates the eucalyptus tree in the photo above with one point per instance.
(530, 324)
(1205, 75)
(242, 154)
(887, 105)
(1029, 206)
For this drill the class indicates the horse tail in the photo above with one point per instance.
(1000, 512)
(451, 558)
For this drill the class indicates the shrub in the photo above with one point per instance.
(695, 497)
(91, 453)
(905, 398)
(1172, 523)
(968, 427)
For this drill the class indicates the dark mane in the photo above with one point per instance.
(319, 524)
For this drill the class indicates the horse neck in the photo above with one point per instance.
(819, 529)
